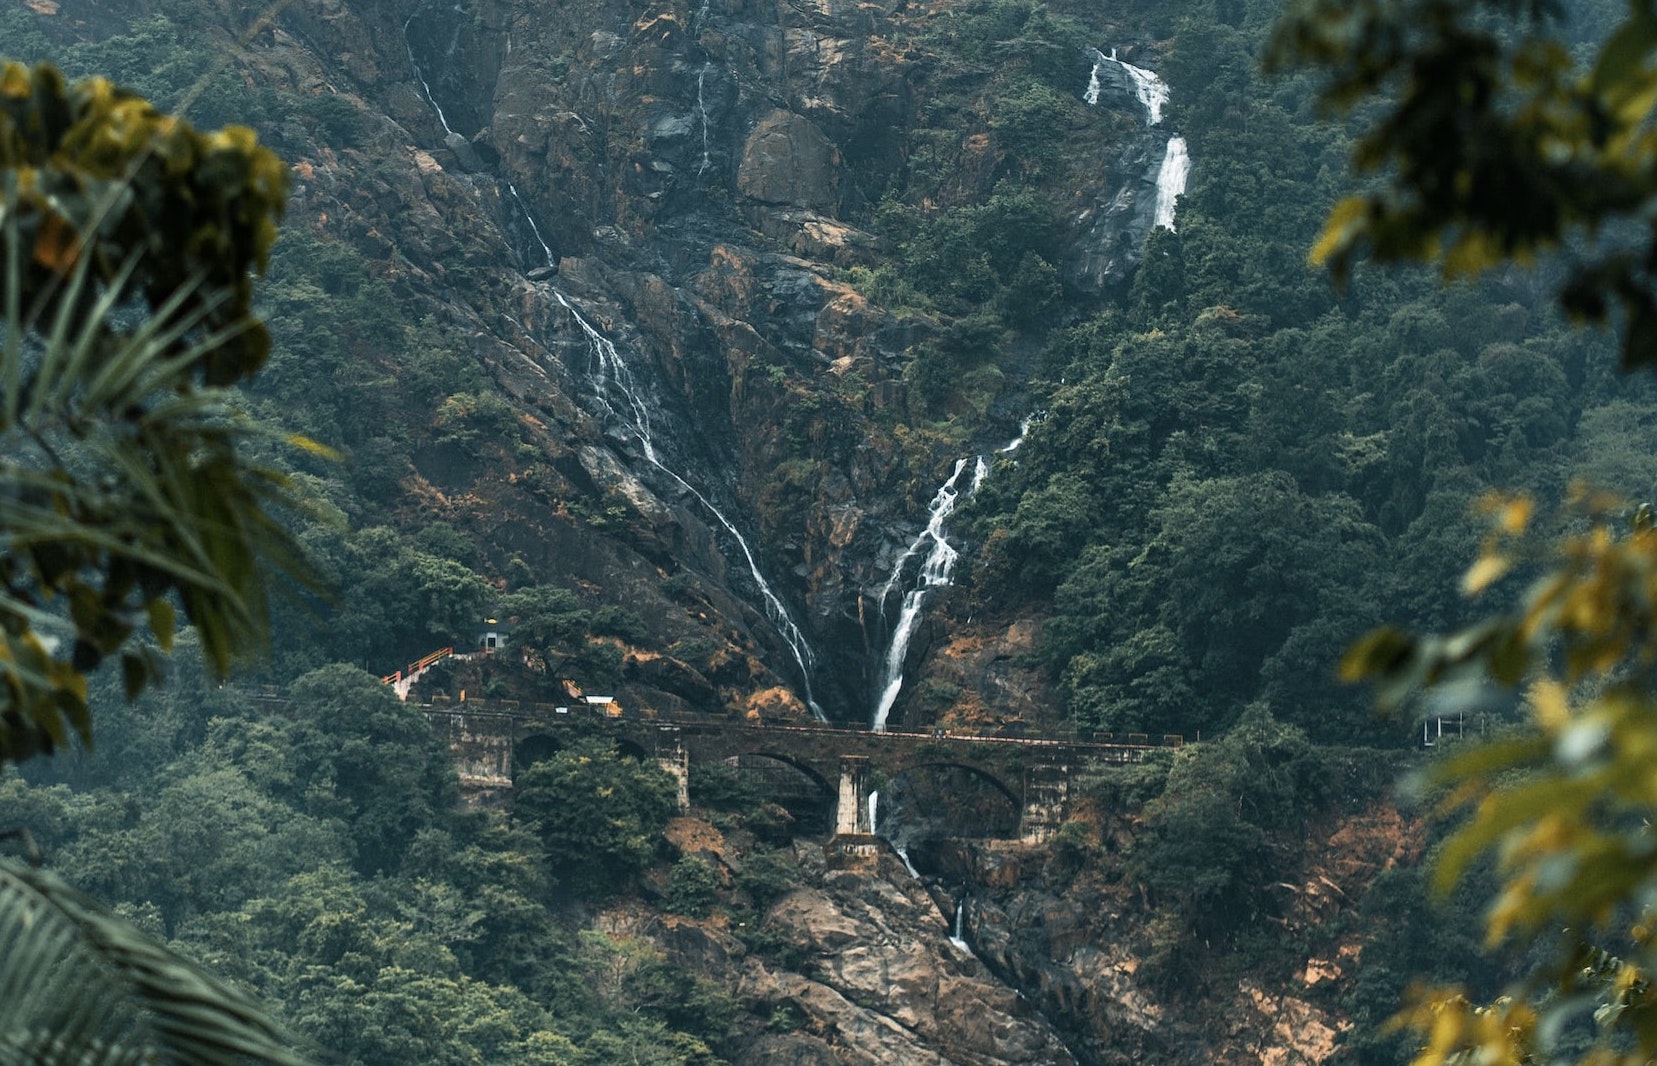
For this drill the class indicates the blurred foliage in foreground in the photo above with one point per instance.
(1496, 143)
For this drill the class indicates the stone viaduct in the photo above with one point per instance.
(490, 739)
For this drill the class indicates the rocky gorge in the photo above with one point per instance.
(1008, 953)
(692, 186)
(715, 331)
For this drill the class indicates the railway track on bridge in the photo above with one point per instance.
(552, 713)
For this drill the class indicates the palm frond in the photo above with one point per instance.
(124, 488)
(79, 986)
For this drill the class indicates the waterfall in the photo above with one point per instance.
(702, 113)
(892, 677)
(421, 78)
(957, 938)
(611, 373)
(1023, 431)
(982, 469)
(1152, 94)
(1148, 89)
(1091, 97)
(934, 572)
(1170, 181)
(903, 853)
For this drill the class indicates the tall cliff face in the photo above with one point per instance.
(695, 186)
(699, 175)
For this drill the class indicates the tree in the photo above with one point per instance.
(122, 487)
(362, 755)
(545, 616)
(1205, 848)
(1496, 146)
(126, 245)
(600, 815)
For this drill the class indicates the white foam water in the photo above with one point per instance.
(1170, 181)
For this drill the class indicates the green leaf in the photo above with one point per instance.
(80, 985)
(1626, 53)
(162, 621)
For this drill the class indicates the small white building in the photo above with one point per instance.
(493, 635)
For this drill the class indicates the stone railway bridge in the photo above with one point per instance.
(490, 740)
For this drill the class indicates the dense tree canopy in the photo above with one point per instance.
(1235, 468)
(1497, 143)
(599, 814)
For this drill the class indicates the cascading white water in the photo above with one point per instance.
(982, 470)
(903, 853)
(1091, 96)
(892, 677)
(1170, 181)
(1150, 90)
(421, 78)
(612, 372)
(1023, 431)
(934, 573)
(1152, 94)
(702, 113)
(874, 822)
(957, 938)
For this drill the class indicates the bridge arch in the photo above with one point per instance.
(793, 784)
(907, 766)
(953, 798)
(534, 748)
(484, 739)
(802, 766)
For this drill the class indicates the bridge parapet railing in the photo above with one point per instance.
(696, 725)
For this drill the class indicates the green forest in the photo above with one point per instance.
(1234, 469)
(314, 854)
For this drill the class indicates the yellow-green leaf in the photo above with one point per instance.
(162, 621)
(1485, 572)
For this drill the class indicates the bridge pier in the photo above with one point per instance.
(672, 757)
(851, 807)
(1046, 798)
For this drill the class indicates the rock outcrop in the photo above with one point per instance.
(694, 180)
(873, 979)
(859, 961)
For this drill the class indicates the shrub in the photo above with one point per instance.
(692, 885)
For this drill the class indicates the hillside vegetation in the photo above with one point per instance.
(837, 251)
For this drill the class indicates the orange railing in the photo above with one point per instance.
(417, 666)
